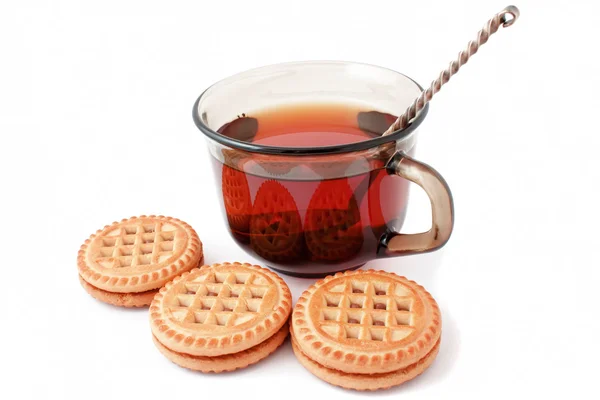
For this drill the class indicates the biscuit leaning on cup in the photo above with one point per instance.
(221, 317)
(125, 263)
(366, 330)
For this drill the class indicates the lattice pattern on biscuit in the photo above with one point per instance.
(221, 299)
(378, 311)
(137, 243)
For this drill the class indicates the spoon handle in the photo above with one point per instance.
(504, 18)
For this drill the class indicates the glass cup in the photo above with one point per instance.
(313, 211)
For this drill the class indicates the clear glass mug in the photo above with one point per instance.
(313, 211)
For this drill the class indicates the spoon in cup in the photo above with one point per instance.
(504, 18)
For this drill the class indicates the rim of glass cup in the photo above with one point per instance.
(304, 151)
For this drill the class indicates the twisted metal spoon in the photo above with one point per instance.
(504, 18)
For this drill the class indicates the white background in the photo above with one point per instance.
(95, 118)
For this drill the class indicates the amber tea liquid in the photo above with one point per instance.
(309, 223)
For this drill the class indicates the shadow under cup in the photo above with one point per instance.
(309, 207)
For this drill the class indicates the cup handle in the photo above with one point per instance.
(442, 208)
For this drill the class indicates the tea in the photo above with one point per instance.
(311, 223)
(308, 125)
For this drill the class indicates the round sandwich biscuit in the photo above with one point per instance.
(366, 330)
(221, 317)
(125, 263)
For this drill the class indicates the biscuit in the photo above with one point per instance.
(237, 201)
(365, 323)
(226, 362)
(333, 228)
(277, 168)
(276, 225)
(226, 309)
(119, 299)
(365, 381)
(127, 262)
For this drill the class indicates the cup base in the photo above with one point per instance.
(312, 275)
